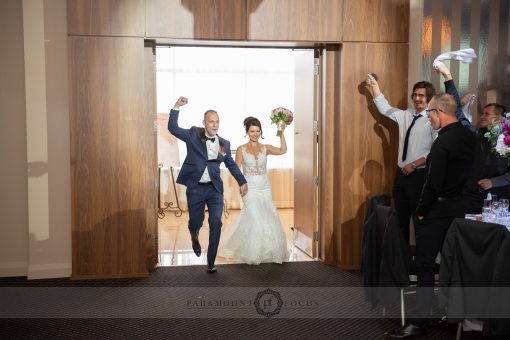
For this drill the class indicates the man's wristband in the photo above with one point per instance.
(414, 166)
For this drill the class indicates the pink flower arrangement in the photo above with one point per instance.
(499, 136)
(281, 117)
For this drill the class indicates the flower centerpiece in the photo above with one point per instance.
(281, 117)
(499, 136)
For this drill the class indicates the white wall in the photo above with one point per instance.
(36, 237)
(13, 143)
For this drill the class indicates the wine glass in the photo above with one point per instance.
(495, 205)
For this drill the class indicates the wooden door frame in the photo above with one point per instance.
(328, 108)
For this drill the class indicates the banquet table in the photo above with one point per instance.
(474, 277)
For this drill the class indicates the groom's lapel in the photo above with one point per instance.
(221, 147)
(204, 146)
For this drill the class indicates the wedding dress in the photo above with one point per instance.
(257, 234)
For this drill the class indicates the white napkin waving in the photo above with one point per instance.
(465, 55)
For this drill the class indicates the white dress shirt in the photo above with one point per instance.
(213, 148)
(422, 134)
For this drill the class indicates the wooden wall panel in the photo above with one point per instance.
(328, 170)
(197, 19)
(376, 20)
(112, 151)
(106, 17)
(151, 158)
(303, 20)
(366, 142)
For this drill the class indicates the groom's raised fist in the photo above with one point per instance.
(181, 101)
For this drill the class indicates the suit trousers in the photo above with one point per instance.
(198, 197)
(406, 194)
(430, 235)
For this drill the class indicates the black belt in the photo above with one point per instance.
(205, 183)
(415, 170)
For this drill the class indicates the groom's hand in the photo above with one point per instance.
(243, 189)
(181, 102)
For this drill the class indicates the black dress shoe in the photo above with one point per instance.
(408, 331)
(211, 269)
(196, 245)
(442, 322)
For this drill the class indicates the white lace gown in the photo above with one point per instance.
(257, 234)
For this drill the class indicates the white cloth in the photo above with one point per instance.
(466, 108)
(465, 55)
(257, 234)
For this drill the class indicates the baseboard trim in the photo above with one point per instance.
(49, 271)
(10, 269)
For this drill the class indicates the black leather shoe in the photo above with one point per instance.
(196, 245)
(211, 269)
(439, 322)
(408, 331)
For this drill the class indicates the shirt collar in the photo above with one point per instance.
(422, 113)
(449, 127)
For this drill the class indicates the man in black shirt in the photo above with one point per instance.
(440, 203)
(489, 172)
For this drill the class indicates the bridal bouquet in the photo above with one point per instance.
(499, 136)
(281, 117)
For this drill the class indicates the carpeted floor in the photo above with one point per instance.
(296, 300)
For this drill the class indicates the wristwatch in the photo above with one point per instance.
(414, 166)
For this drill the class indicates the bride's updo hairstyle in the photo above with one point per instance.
(252, 121)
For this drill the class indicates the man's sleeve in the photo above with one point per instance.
(501, 181)
(173, 127)
(232, 166)
(451, 89)
(386, 109)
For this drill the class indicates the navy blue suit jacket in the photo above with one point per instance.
(196, 159)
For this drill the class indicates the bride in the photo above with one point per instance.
(257, 234)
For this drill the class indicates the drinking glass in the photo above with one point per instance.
(504, 204)
(495, 206)
(486, 212)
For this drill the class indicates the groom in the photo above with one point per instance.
(200, 173)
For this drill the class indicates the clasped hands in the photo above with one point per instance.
(408, 169)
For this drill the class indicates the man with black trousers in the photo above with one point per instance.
(415, 139)
(440, 202)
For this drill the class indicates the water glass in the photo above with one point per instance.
(495, 206)
(485, 213)
(504, 204)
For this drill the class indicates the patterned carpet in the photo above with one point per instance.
(295, 300)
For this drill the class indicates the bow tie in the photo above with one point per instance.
(212, 139)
